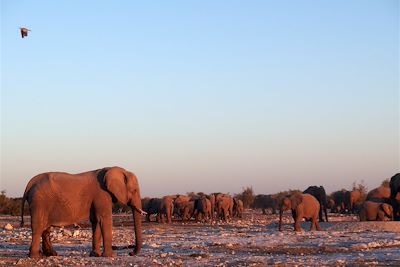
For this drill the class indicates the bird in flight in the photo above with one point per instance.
(24, 32)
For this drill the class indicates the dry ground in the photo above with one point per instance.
(251, 241)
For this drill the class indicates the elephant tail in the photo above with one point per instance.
(22, 209)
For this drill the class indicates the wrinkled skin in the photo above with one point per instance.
(61, 199)
(395, 195)
(265, 202)
(379, 194)
(319, 193)
(302, 206)
(375, 211)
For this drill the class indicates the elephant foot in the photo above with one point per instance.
(35, 255)
(108, 254)
(94, 254)
(51, 252)
(133, 253)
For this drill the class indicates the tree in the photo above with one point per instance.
(247, 196)
(386, 183)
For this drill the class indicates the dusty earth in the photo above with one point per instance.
(251, 241)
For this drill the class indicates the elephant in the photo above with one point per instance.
(182, 207)
(395, 196)
(340, 201)
(376, 211)
(162, 207)
(265, 202)
(202, 208)
(166, 209)
(302, 206)
(61, 199)
(237, 207)
(224, 205)
(319, 193)
(379, 194)
(152, 206)
(355, 198)
(212, 202)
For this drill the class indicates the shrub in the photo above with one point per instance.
(247, 196)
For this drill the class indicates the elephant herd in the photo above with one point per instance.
(61, 199)
(201, 207)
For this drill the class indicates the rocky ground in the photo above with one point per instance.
(251, 241)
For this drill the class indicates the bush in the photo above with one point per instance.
(362, 188)
(10, 206)
(247, 196)
(386, 183)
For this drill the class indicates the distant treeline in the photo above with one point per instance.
(11, 206)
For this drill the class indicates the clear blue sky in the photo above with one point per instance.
(202, 95)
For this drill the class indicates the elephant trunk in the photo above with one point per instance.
(137, 221)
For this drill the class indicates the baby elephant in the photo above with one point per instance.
(375, 211)
(302, 206)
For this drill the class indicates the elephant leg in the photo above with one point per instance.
(297, 223)
(34, 250)
(315, 222)
(326, 214)
(106, 231)
(264, 211)
(37, 230)
(47, 247)
(321, 217)
(96, 239)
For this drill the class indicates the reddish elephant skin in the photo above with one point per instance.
(61, 199)
(303, 206)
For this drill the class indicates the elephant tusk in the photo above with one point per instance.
(142, 212)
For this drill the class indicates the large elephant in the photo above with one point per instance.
(265, 202)
(319, 193)
(395, 196)
(375, 211)
(303, 206)
(379, 194)
(60, 199)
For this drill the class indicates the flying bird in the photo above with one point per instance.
(24, 32)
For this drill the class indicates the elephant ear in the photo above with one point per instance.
(115, 181)
(387, 209)
(295, 200)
